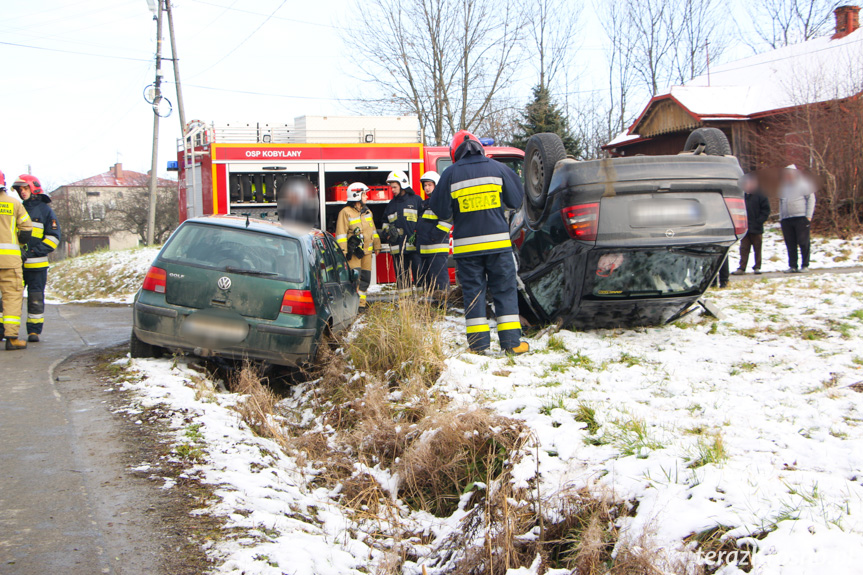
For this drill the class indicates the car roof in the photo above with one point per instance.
(257, 225)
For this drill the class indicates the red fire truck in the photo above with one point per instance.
(237, 168)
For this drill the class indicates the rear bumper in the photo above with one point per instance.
(265, 341)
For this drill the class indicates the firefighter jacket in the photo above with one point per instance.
(15, 229)
(475, 192)
(400, 221)
(46, 231)
(432, 233)
(349, 222)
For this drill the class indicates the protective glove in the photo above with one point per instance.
(412, 240)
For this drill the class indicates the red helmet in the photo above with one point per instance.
(28, 180)
(2, 180)
(461, 137)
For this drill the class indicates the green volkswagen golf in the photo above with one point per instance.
(234, 287)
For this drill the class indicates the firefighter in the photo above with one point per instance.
(357, 236)
(45, 239)
(475, 191)
(15, 230)
(400, 226)
(433, 241)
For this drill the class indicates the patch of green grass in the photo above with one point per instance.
(189, 452)
(554, 402)
(857, 360)
(577, 360)
(709, 449)
(555, 343)
(550, 384)
(633, 436)
(587, 415)
(856, 314)
(843, 329)
(193, 432)
(741, 367)
(695, 430)
(630, 360)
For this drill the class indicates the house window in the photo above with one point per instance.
(96, 211)
(95, 194)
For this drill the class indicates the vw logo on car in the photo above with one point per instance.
(224, 283)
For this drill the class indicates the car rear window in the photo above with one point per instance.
(215, 247)
(668, 271)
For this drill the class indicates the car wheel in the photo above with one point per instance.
(541, 154)
(140, 349)
(710, 141)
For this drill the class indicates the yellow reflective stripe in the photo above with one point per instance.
(444, 226)
(10, 252)
(410, 248)
(13, 319)
(51, 241)
(478, 328)
(435, 249)
(32, 319)
(476, 190)
(376, 235)
(24, 217)
(354, 221)
(38, 232)
(429, 215)
(28, 265)
(480, 243)
(509, 325)
(38, 225)
(476, 182)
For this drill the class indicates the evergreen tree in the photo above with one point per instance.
(543, 115)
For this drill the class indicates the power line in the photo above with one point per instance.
(75, 52)
(231, 7)
(272, 95)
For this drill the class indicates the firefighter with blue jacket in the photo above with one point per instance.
(400, 226)
(43, 241)
(475, 191)
(433, 241)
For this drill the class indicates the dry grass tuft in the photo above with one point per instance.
(398, 342)
(453, 452)
(258, 406)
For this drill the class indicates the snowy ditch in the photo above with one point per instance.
(732, 446)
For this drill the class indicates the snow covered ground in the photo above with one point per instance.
(825, 253)
(753, 423)
(105, 276)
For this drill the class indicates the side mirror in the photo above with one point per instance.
(355, 275)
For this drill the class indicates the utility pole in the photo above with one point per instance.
(151, 219)
(176, 61)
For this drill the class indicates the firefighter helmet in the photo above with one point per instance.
(461, 144)
(28, 180)
(2, 180)
(400, 178)
(431, 176)
(356, 191)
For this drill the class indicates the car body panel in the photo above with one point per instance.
(662, 232)
(201, 313)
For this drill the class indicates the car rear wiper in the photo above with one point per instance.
(249, 272)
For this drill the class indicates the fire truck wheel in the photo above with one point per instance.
(541, 154)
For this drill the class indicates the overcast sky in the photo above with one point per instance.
(75, 71)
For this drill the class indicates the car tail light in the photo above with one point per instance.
(155, 280)
(737, 209)
(298, 302)
(582, 221)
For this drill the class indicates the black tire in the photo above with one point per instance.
(710, 141)
(541, 154)
(140, 349)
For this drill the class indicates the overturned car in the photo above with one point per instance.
(624, 241)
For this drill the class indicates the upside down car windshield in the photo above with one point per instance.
(668, 271)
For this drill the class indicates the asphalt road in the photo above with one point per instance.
(66, 505)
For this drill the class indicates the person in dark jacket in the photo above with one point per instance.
(475, 191)
(757, 212)
(433, 241)
(43, 241)
(400, 227)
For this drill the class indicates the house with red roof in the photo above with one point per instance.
(110, 210)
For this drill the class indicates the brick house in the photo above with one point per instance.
(94, 211)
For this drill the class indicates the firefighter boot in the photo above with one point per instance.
(15, 343)
(33, 337)
(521, 348)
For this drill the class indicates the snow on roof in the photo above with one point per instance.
(814, 71)
(621, 138)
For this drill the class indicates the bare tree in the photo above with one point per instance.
(782, 22)
(621, 71)
(700, 35)
(444, 60)
(129, 213)
(553, 25)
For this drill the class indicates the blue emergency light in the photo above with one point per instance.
(486, 141)
(173, 166)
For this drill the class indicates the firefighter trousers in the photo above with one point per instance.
(365, 267)
(12, 290)
(35, 280)
(407, 266)
(434, 273)
(495, 272)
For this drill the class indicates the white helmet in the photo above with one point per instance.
(430, 177)
(356, 190)
(399, 177)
